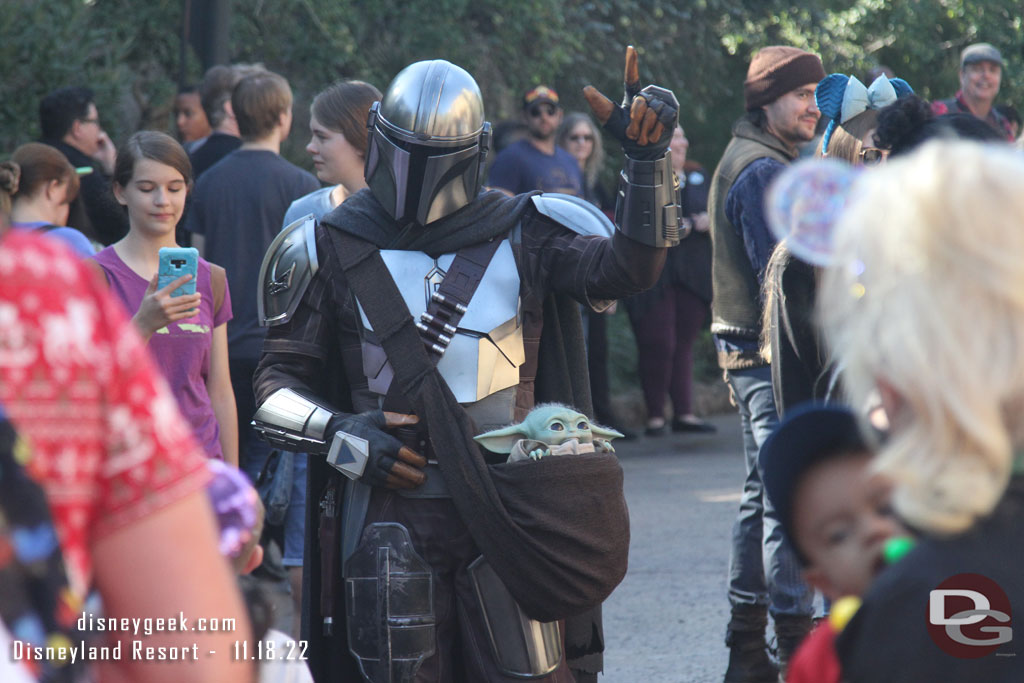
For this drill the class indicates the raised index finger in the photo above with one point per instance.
(631, 75)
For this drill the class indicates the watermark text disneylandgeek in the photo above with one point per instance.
(149, 625)
(137, 649)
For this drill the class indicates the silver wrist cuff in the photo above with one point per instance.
(293, 422)
(647, 208)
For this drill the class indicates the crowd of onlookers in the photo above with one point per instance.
(891, 289)
(829, 276)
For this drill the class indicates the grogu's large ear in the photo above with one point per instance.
(605, 432)
(501, 440)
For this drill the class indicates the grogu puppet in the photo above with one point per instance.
(549, 429)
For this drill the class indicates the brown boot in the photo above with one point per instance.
(748, 653)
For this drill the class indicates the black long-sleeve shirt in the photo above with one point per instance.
(95, 212)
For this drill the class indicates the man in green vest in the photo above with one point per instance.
(764, 574)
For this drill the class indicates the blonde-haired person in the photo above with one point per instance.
(578, 135)
(790, 341)
(852, 110)
(925, 304)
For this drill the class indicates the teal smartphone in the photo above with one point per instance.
(175, 262)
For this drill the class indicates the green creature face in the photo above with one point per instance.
(551, 423)
(555, 424)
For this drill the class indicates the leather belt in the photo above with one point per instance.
(433, 487)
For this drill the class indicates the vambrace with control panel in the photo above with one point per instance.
(291, 421)
(647, 209)
(648, 205)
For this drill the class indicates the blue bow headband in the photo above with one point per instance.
(840, 97)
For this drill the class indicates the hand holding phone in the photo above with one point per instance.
(169, 297)
(175, 262)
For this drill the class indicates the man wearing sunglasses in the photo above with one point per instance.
(537, 163)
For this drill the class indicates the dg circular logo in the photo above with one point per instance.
(969, 616)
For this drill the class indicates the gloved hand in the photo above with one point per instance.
(391, 464)
(646, 119)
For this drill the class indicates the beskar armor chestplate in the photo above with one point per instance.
(490, 336)
(481, 364)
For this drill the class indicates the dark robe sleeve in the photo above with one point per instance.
(592, 270)
(796, 356)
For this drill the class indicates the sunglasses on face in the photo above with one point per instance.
(581, 138)
(870, 156)
(538, 109)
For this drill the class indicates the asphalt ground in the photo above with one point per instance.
(665, 623)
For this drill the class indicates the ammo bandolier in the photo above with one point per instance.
(736, 300)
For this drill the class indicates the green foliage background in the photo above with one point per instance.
(128, 51)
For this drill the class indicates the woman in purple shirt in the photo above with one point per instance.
(187, 335)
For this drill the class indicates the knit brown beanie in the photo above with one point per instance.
(777, 69)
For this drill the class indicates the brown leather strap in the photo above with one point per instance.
(372, 284)
(94, 266)
(218, 283)
(449, 303)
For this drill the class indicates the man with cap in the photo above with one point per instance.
(764, 574)
(981, 70)
(537, 163)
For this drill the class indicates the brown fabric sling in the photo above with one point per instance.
(555, 530)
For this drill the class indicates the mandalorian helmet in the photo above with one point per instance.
(427, 142)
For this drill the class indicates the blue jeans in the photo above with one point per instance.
(763, 570)
(253, 453)
(295, 517)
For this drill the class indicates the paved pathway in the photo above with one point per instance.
(666, 622)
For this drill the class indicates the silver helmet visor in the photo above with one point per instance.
(422, 183)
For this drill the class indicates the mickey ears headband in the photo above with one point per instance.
(804, 204)
(840, 97)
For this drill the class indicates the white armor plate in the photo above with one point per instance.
(486, 352)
